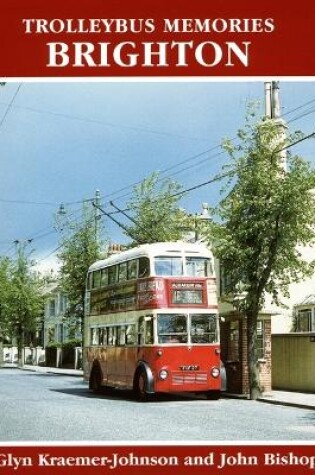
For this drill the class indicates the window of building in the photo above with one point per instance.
(62, 303)
(260, 339)
(233, 341)
(304, 321)
(225, 281)
(52, 308)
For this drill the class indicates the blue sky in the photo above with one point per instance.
(60, 141)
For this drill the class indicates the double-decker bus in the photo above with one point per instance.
(151, 321)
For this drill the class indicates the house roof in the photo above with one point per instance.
(306, 300)
(50, 288)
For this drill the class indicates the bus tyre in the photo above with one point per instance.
(95, 379)
(141, 386)
(213, 395)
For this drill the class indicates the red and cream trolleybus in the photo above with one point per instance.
(151, 321)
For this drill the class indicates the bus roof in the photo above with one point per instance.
(151, 250)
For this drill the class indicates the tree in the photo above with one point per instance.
(24, 301)
(266, 216)
(5, 276)
(80, 247)
(156, 214)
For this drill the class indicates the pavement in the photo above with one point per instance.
(283, 398)
(290, 398)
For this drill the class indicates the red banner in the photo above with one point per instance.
(201, 38)
(159, 460)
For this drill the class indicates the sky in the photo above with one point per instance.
(61, 141)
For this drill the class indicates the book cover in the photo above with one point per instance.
(96, 97)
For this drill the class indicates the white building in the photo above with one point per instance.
(56, 328)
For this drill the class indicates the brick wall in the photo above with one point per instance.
(234, 354)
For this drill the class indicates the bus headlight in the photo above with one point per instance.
(163, 374)
(215, 372)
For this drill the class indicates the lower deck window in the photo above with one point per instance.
(203, 328)
(172, 328)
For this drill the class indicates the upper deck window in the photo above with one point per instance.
(198, 266)
(132, 269)
(144, 267)
(96, 279)
(168, 266)
(122, 272)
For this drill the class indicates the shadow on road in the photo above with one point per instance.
(119, 394)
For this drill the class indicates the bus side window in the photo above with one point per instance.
(132, 269)
(131, 335)
(104, 277)
(122, 272)
(89, 280)
(121, 334)
(94, 336)
(144, 267)
(112, 278)
(103, 336)
(148, 330)
(96, 279)
(141, 331)
(111, 336)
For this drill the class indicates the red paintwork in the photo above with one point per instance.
(151, 293)
(173, 358)
(156, 292)
(119, 363)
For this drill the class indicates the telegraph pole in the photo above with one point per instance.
(273, 112)
(97, 211)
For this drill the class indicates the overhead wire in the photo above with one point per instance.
(172, 167)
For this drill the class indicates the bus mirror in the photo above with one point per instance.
(148, 318)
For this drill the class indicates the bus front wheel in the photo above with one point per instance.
(141, 387)
(95, 380)
(213, 395)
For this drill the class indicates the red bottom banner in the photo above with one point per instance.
(158, 460)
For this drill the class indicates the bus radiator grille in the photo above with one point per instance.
(178, 379)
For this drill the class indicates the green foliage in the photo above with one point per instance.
(54, 344)
(21, 299)
(6, 268)
(71, 344)
(80, 247)
(68, 345)
(266, 216)
(157, 215)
